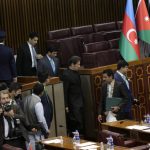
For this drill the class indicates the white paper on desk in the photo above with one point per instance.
(148, 130)
(52, 141)
(86, 144)
(137, 127)
(89, 147)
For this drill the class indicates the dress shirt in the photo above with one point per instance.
(33, 55)
(124, 78)
(39, 111)
(52, 63)
(6, 127)
(110, 89)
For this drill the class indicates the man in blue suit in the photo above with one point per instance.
(7, 62)
(121, 76)
(49, 62)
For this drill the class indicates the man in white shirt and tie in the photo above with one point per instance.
(27, 57)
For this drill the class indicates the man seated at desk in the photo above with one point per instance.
(111, 88)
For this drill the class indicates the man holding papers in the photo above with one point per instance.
(111, 91)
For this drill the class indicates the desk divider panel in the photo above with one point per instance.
(59, 109)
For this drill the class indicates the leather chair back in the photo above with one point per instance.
(82, 30)
(119, 25)
(59, 34)
(105, 27)
(112, 35)
(96, 47)
(114, 43)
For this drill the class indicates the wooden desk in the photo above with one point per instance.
(68, 144)
(119, 124)
(120, 127)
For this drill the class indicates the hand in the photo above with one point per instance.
(67, 109)
(1, 111)
(99, 118)
(39, 56)
(9, 114)
(34, 130)
(115, 109)
(47, 134)
(15, 79)
(136, 101)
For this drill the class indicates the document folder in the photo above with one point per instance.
(113, 101)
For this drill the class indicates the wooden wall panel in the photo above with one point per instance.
(19, 17)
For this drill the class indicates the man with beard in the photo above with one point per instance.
(111, 88)
(73, 96)
(15, 90)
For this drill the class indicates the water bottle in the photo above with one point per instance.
(101, 146)
(61, 140)
(76, 137)
(148, 118)
(145, 119)
(110, 144)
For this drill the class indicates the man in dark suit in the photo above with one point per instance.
(7, 62)
(45, 99)
(49, 62)
(121, 76)
(27, 57)
(1, 128)
(73, 96)
(111, 88)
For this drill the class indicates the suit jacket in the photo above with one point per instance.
(128, 91)
(45, 65)
(24, 61)
(1, 130)
(118, 91)
(48, 108)
(7, 64)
